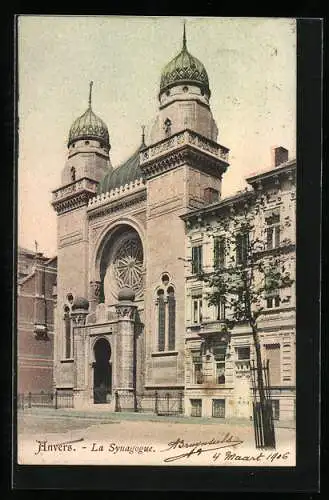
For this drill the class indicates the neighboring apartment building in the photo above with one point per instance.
(36, 298)
(217, 370)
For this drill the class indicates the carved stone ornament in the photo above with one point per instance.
(79, 319)
(95, 287)
(125, 311)
(128, 265)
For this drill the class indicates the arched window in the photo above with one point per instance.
(73, 174)
(166, 315)
(167, 127)
(67, 327)
(161, 321)
(171, 318)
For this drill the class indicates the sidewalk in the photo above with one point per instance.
(103, 415)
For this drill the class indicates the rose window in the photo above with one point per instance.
(128, 265)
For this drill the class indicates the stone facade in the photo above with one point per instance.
(276, 324)
(125, 290)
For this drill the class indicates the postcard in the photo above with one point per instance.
(156, 301)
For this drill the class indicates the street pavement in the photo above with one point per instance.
(60, 437)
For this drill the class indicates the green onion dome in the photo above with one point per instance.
(184, 69)
(89, 126)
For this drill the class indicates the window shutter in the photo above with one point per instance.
(222, 252)
(277, 236)
(216, 253)
(196, 259)
(273, 356)
(238, 249)
(269, 238)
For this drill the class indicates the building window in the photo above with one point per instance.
(271, 290)
(220, 310)
(167, 127)
(197, 368)
(243, 353)
(196, 407)
(272, 355)
(161, 321)
(211, 195)
(73, 174)
(273, 232)
(197, 309)
(218, 408)
(273, 301)
(219, 357)
(67, 327)
(276, 409)
(171, 318)
(242, 243)
(197, 259)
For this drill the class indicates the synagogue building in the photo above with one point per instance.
(134, 328)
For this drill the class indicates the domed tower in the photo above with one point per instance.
(86, 164)
(182, 165)
(184, 98)
(88, 147)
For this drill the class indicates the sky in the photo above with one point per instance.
(251, 64)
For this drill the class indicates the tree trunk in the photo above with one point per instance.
(259, 366)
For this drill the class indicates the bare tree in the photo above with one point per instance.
(251, 268)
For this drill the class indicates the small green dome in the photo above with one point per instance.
(184, 68)
(124, 174)
(89, 126)
(126, 294)
(80, 303)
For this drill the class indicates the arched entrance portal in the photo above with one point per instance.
(102, 371)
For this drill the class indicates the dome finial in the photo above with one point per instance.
(184, 36)
(90, 91)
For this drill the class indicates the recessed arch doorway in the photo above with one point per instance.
(102, 371)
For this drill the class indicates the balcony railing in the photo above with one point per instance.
(242, 365)
(74, 187)
(181, 138)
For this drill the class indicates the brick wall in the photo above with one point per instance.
(35, 354)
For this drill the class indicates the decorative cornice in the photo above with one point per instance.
(274, 175)
(200, 215)
(191, 99)
(118, 193)
(173, 159)
(69, 204)
(73, 195)
(118, 205)
(186, 146)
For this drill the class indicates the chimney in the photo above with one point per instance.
(279, 156)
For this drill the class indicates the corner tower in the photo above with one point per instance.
(88, 147)
(184, 98)
(86, 164)
(183, 167)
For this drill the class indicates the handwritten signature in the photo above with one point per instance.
(199, 447)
